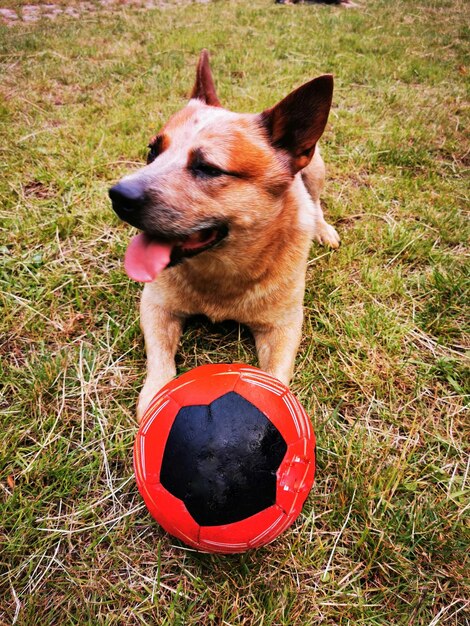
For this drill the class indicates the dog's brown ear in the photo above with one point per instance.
(296, 123)
(204, 87)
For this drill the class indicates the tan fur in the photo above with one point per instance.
(257, 274)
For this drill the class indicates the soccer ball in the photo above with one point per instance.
(225, 458)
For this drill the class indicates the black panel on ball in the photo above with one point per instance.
(221, 460)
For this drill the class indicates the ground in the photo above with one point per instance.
(27, 11)
(383, 366)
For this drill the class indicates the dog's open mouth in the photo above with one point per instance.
(149, 254)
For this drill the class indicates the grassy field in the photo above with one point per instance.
(383, 368)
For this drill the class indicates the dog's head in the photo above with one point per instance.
(212, 173)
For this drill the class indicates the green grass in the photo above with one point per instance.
(383, 367)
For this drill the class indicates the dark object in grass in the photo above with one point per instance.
(345, 3)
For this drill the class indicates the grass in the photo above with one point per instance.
(383, 367)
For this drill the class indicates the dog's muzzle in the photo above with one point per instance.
(128, 199)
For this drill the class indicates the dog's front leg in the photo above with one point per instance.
(162, 331)
(277, 345)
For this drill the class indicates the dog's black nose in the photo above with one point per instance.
(127, 197)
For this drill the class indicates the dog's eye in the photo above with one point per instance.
(153, 152)
(156, 147)
(205, 170)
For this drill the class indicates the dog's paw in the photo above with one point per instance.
(326, 235)
(142, 404)
(149, 391)
(145, 398)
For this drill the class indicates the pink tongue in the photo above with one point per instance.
(145, 258)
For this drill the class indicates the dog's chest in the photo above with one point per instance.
(224, 297)
(217, 298)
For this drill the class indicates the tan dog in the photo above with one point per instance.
(227, 222)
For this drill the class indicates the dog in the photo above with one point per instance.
(228, 205)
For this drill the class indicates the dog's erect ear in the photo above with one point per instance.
(296, 123)
(204, 87)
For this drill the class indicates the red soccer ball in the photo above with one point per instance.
(225, 458)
